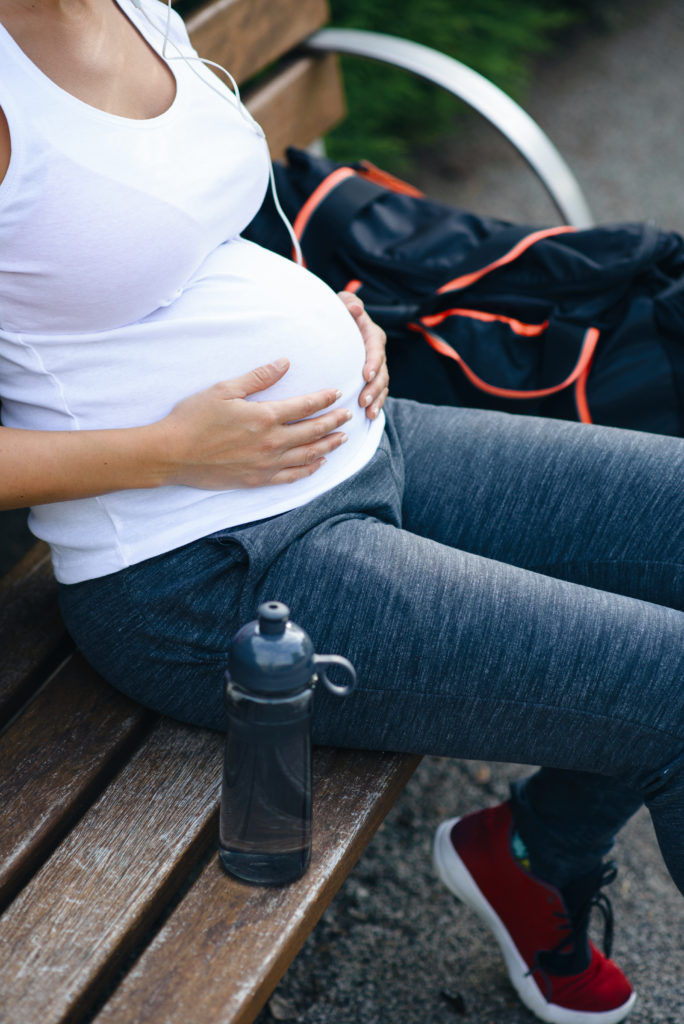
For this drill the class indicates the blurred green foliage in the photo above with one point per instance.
(391, 111)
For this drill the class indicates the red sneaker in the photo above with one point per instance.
(557, 972)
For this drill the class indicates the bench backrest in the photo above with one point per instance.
(300, 97)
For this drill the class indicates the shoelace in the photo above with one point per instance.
(602, 903)
(576, 923)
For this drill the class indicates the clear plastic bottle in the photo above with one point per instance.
(265, 825)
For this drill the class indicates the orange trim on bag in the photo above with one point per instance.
(317, 197)
(368, 171)
(581, 368)
(517, 250)
(376, 174)
(581, 394)
(353, 285)
(517, 326)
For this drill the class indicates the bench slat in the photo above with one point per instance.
(28, 595)
(225, 947)
(247, 35)
(67, 931)
(55, 758)
(299, 104)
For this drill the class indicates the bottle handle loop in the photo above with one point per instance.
(341, 689)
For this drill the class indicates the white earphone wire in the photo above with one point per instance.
(242, 109)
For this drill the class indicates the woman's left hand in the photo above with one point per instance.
(375, 373)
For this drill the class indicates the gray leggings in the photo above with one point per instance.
(509, 588)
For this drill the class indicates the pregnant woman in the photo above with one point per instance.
(200, 425)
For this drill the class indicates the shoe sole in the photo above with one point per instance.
(456, 877)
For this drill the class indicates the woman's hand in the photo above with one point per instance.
(375, 373)
(217, 440)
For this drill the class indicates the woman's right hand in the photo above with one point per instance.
(216, 440)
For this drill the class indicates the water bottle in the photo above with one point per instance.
(265, 822)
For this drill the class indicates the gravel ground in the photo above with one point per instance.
(394, 947)
(611, 104)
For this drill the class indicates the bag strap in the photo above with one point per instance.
(327, 212)
(513, 241)
(576, 378)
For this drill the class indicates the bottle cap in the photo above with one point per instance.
(271, 655)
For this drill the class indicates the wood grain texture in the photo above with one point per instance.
(32, 636)
(224, 948)
(247, 35)
(54, 759)
(64, 935)
(299, 103)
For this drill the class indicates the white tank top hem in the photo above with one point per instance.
(125, 286)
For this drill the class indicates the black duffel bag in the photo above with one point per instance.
(577, 324)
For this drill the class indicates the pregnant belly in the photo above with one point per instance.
(263, 307)
(245, 307)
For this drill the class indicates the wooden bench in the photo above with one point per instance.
(114, 908)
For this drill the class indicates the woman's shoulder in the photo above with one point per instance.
(4, 145)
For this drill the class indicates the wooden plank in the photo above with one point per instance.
(246, 35)
(55, 758)
(299, 104)
(33, 639)
(225, 947)
(67, 931)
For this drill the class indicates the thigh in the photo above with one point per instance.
(160, 629)
(596, 505)
(460, 655)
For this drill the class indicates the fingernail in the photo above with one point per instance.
(280, 364)
(343, 438)
(367, 400)
(338, 394)
(371, 376)
(348, 416)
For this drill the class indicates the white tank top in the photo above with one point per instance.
(124, 287)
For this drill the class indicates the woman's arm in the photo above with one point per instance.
(214, 439)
